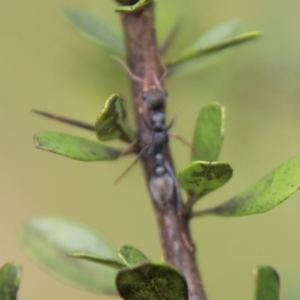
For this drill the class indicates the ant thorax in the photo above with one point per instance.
(159, 139)
(157, 122)
(159, 132)
(155, 98)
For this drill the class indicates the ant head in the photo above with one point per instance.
(155, 98)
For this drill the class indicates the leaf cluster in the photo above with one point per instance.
(205, 173)
(79, 256)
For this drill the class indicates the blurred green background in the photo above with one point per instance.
(45, 65)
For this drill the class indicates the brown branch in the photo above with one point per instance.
(143, 59)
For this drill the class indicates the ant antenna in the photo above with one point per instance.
(182, 140)
(123, 64)
(139, 79)
(163, 76)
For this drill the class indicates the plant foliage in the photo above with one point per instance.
(75, 253)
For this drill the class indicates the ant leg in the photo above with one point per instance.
(185, 235)
(179, 137)
(183, 141)
(179, 201)
(129, 149)
(179, 208)
(123, 64)
(171, 123)
(132, 164)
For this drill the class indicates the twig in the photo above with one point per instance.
(144, 60)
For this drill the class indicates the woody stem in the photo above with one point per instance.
(142, 56)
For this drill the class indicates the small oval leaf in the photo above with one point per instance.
(209, 133)
(47, 240)
(138, 6)
(266, 194)
(116, 264)
(151, 282)
(131, 256)
(9, 281)
(267, 283)
(74, 147)
(201, 177)
(94, 29)
(112, 123)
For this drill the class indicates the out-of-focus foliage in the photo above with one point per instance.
(46, 66)
(266, 283)
(9, 281)
(138, 6)
(210, 45)
(92, 27)
(48, 240)
(112, 263)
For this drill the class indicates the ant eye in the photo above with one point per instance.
(144, 95)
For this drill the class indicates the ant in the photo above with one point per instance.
(155, 98)
(162, 182)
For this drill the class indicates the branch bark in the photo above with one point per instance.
(143, 55)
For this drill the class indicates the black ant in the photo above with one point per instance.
(155, 98)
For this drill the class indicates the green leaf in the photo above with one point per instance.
(116, 264)
(266, 194)
(201, 177)
(266, 283)
(209, 133)
(138, 6)
(210, 44)
(9, 281)
(218, 34)
(74, 147)
(47, 240)
(201, 52)
(112, 123)
(131, 256)
(151, 282)
(94, 29)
